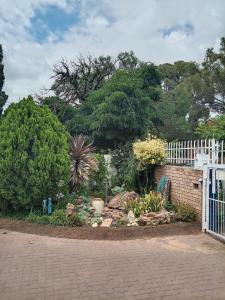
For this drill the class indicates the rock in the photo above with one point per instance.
(163, 217)
(130, 196)
(114, 214)
(117, 202)
(70, 210)
(107, 222)
(131, 217)
(79, 201)
(94, 225)
(134, 224)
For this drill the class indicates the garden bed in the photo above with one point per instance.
(100, 233)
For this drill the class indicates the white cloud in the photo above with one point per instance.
(106, 27)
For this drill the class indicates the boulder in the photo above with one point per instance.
(114, 214)
(163, 217)
(70, 210)
(117, 202)
(131, 217)
(130, 196)
(79, 201)
(106, 222)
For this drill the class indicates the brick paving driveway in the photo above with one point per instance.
(181, 267)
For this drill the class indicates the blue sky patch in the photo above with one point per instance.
(53, 20)
(187, 29)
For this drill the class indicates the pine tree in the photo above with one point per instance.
(34, 155)
(3, 96)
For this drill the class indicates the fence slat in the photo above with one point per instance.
(184, 152)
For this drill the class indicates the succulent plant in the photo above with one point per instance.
(83, 162)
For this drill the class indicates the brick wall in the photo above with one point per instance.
(185, 184)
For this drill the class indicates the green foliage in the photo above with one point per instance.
(123, 107)
(213, 79)
(98, 179)
(214, 128)
(121, 222)
(185, 212)
(83, 162)
(118, 190)
(126, 166)
(180, 108)
(149, 152)
(135, 205)
(33, 155)
(168, 205)
(78, 219)
(58, 218)
(152, 202)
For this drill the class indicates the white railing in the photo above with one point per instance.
(185, 152)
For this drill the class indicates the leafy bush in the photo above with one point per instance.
(135, 206)
(98, 179)
(185, 212)
(77, 220)
(34, 155)
(152, 202)
(58, 218)
(126, 165)
(149, 152)
(168, 205)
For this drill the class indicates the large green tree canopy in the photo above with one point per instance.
(34, 155)
(123, 109)
(186, 97)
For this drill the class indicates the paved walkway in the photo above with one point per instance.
(182, 267)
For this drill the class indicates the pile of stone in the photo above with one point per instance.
(155, 218)
(118, 201)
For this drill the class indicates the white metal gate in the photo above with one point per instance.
(213, 213)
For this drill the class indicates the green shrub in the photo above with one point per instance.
(168, 205)
(58, 218)
(124, 162)
(121, 222)
(135, 206)
(34, 156)
(185, 212)
(98, 179)
(39, 219)
(77, 220)
(152, 202)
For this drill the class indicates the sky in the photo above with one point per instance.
(37, 34)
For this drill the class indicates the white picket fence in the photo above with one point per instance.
(184, 152)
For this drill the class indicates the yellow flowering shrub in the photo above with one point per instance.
(150, 151)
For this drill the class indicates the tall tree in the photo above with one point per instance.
(74, 81)
(3, 96)
(124, 108)
(213, 78)
(181, 108)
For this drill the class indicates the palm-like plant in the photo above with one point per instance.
(83, 161)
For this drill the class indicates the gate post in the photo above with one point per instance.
(204, 198)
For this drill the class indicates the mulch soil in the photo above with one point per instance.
(100, 233)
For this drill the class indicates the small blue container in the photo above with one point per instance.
(49, 206)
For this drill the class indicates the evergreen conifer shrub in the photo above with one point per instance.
(34, 155)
